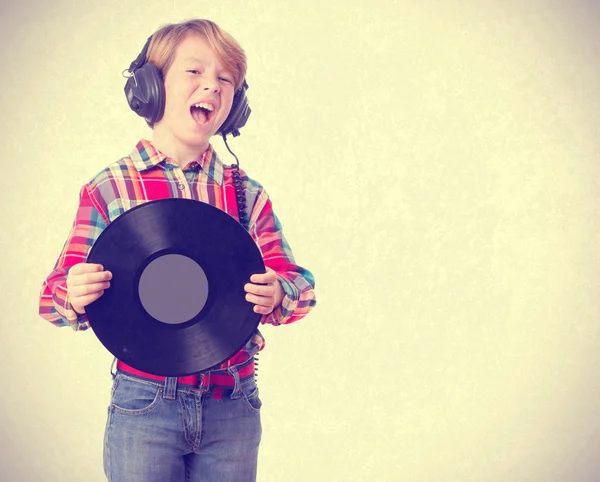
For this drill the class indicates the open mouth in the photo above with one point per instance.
(202, 112)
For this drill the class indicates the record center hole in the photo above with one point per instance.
(173, 288)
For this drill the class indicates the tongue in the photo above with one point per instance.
(199, 115)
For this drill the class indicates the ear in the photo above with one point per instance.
(145, 92)
(239, 113)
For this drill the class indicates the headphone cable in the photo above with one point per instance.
(240, 195)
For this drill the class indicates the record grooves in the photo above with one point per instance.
(176, 305)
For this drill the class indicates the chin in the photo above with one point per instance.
(194, 139)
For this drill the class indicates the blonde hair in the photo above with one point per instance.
(161, 51)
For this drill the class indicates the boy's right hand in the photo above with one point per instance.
(86, 282)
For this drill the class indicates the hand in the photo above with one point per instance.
(86, 282)
(265, 291)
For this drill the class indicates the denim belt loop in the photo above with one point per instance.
(113, 372)
(237, 388)
(170, 390)
(204, 383)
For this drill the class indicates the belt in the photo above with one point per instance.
(217, 381)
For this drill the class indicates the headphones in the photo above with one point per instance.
(145, 92)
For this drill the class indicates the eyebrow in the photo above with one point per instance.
(200, 61)
(195, 59)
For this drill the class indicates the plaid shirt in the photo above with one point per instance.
(147, 175)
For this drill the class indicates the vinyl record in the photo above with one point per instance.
(176, 304)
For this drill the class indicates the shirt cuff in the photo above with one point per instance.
(284, 311)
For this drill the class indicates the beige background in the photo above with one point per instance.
(434, 163)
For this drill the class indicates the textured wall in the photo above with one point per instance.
(435, 164)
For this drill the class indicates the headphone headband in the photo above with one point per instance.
(141, 58)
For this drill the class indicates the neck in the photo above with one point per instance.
(180, 153)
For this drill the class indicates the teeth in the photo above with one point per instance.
(204, 105)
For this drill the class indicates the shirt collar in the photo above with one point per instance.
(212, 165)
(145, 156)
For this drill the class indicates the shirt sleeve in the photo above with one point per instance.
(298, 283)
(54, 301)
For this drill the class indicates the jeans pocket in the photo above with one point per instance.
(252, 399)
(133, 397)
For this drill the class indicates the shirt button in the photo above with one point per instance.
(181, 186)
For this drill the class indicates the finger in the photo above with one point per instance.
(98, 277)
(88, 278)
(83, 290)
(262, 290)
(269, 277)
(263, 310)
(260, 300)
(81, 268)
(83, 301)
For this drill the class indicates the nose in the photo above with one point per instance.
(211, 84)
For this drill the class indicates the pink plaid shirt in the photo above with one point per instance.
(147, 175)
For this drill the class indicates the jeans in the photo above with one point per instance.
(159, 432)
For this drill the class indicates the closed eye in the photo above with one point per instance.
(225, 79)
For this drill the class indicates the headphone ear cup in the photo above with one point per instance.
(238, 115)
(145, 92)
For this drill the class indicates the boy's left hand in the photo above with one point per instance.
(265, 291)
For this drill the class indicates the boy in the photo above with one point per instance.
(205, 426)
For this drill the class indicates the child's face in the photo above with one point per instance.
(195, 77)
